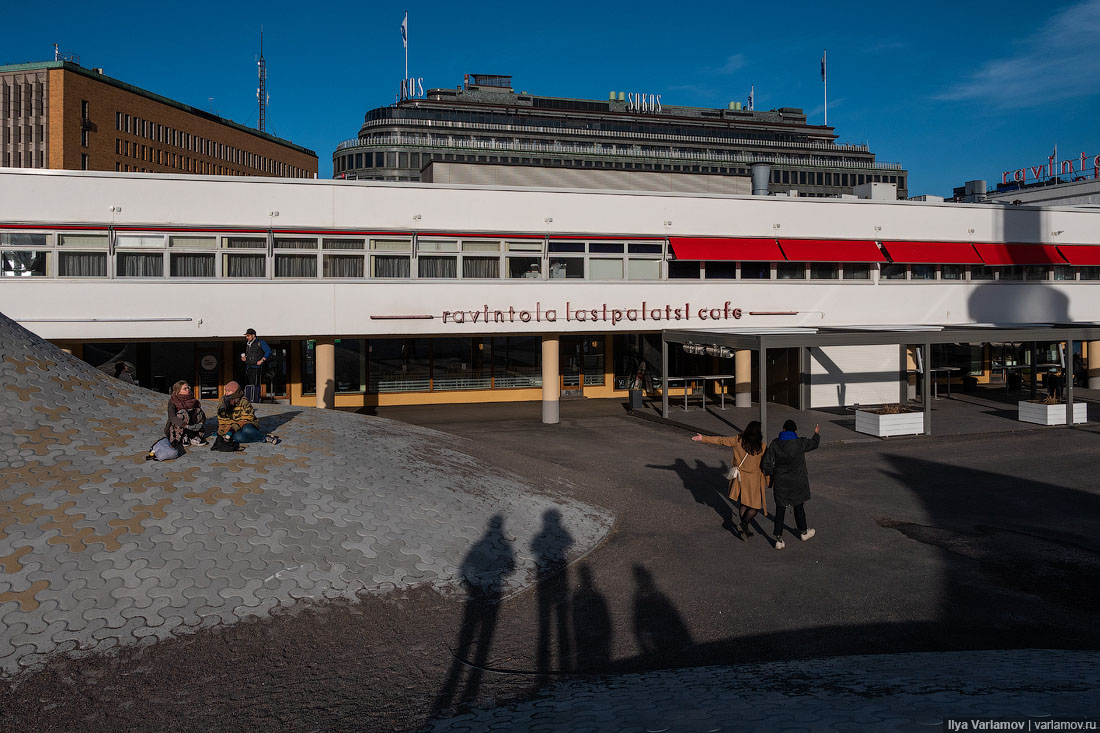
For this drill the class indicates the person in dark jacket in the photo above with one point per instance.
(785, 462)
(255, 356)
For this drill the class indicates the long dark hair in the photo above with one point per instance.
(752, 440)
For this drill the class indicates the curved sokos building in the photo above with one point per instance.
(399, 293)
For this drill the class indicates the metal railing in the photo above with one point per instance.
(606, 151)
(667, 137)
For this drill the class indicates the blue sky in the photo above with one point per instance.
(953, 91)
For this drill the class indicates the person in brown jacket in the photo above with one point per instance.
(748, 487)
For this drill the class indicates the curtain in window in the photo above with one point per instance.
(442, 267)
(481, 267)
(192, 265)
(140, 264)
(24, 264)
(246, 242)
(295, 266)
(343, 266)
(244, 266)
(295, 244)
(391, 267)
(82, 264)
(342, 244)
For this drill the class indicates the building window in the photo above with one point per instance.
(790, 271)
(83, 161)
(191, 264)
(952, 272)
(716, 270)
(922, 272)
(140, 264)
(857, 271)
(824, 271)
(82, 264)
(566, 268)
(683, 270)
(893, 271)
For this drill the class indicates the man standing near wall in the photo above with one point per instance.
(256, 353)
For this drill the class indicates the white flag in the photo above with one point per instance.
(405, 30)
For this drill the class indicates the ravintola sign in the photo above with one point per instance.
(602, 313)
(1076, 167)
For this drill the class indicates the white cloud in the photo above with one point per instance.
(1057, 62)
(733, 63)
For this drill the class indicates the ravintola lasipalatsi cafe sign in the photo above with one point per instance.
(602, 313)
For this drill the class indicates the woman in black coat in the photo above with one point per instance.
(785, 463)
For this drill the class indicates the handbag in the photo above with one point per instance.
(226, 446)
(735, 471)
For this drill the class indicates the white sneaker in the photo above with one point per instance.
(808, 534)
(779, 544)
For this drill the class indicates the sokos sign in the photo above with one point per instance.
(412, 88)
(643, 102)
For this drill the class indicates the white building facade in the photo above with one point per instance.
(379, 293)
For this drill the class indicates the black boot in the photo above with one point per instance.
(745, 529)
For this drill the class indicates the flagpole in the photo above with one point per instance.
(825, 84)
(406, 44)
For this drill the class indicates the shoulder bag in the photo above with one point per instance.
(735, 471)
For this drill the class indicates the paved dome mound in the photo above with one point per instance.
(100, 548)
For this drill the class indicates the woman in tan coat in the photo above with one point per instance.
(748, 488)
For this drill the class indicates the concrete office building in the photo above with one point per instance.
(60, 115)
(485, 133)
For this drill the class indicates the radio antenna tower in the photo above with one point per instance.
(261, 93)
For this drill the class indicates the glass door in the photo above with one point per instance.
(581, 360)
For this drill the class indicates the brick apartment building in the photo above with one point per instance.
(58, 114)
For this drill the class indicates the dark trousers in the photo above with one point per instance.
(253, 373)
(799, 518)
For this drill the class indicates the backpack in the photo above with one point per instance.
(163, 450)
(225, 446)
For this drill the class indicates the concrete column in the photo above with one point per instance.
(742, 382)
(551, 379)
(1093, 364)
(324, 365)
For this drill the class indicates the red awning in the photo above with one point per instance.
(1019, 254)
(831, 250)
(1080, 254)
(939, 253)
(726, 248)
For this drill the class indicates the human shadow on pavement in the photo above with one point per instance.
(486, 565)
(700, 482)
(272, 423)
(549, 548)
(659, 629)
(592, 630)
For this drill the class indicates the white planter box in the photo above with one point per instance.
(903, 423)
(1051, 414)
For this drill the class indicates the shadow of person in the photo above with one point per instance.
(483, 570)
(591, 625)
(659, 630)
(549, 549)
(271, 423)
(699, 481)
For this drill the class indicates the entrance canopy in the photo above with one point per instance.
(803, 337)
